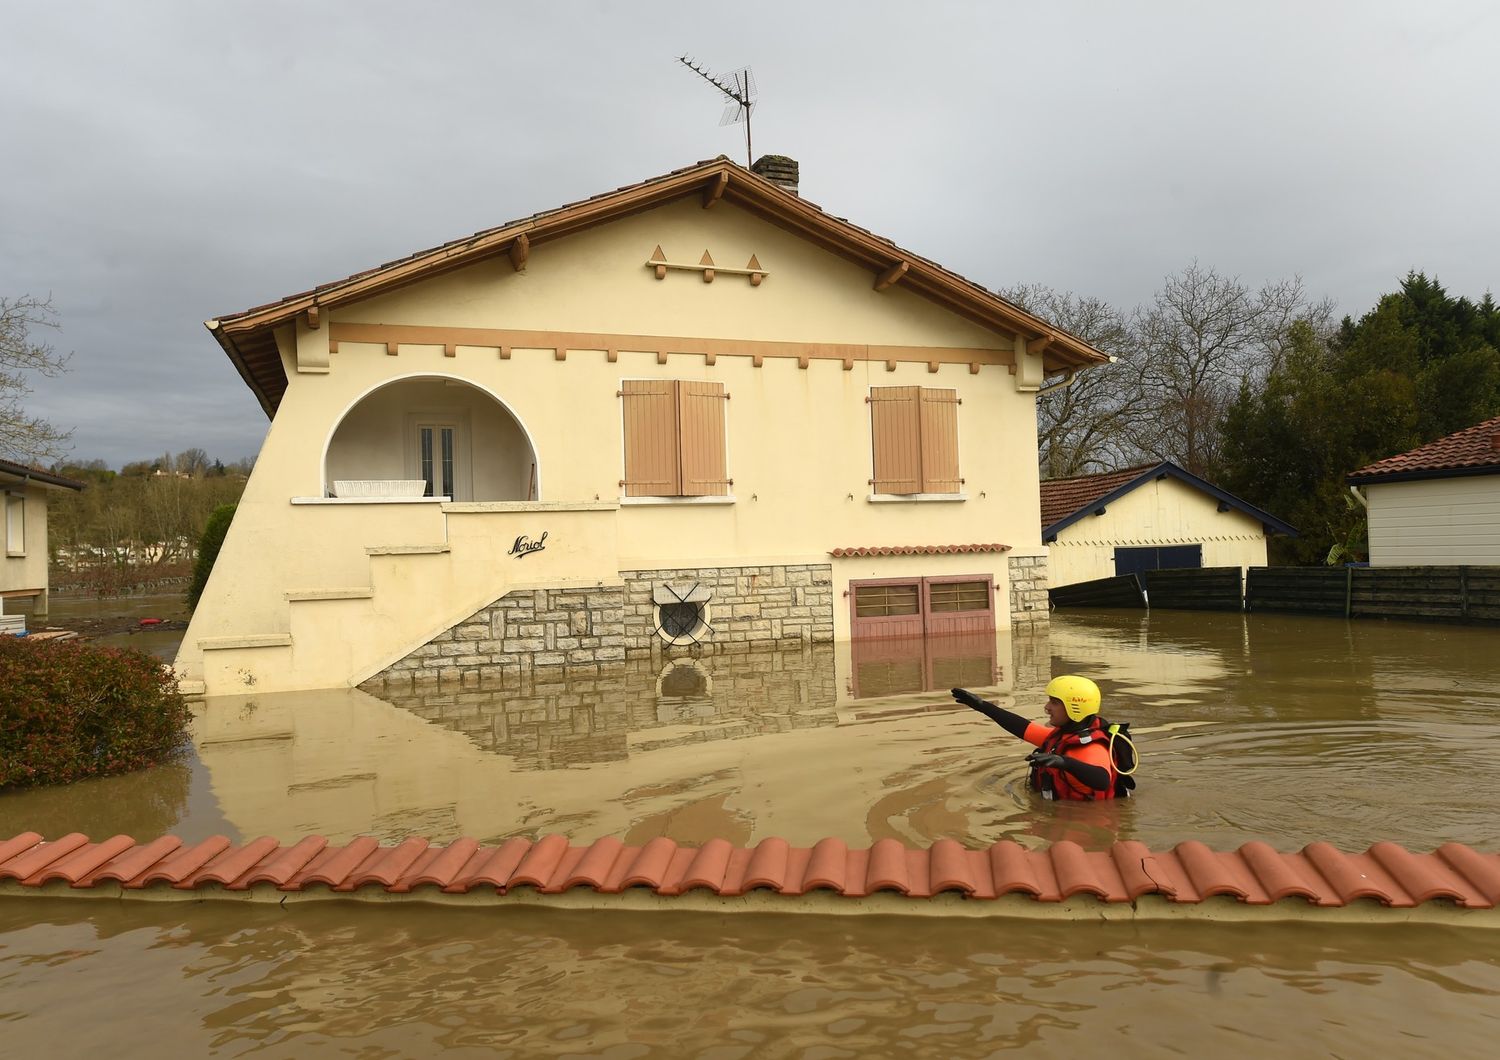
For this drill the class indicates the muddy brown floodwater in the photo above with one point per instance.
(1278, 728)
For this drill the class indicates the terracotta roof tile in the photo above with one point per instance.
(1061, 497)
(1473, 448)
(913, 550)
(1319, 875)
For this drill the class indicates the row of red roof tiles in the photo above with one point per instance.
(914, 550)
(1471, 448)
(1255, 874)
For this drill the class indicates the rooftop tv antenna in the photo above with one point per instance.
(739, 87)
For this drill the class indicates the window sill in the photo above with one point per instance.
(371, 500)
(664, 502)
(916, 498)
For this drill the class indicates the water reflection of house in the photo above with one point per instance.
(1437, 504)
(693, 409)
(642, 704)
(23, 526)
(1151, 517)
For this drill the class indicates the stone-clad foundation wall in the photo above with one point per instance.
(1028, 590)
(584, 628)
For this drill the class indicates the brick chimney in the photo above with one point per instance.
(779, 170)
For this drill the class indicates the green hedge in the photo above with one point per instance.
(71, 710)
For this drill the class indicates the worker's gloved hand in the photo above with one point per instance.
(1044, 760)
(967, 698)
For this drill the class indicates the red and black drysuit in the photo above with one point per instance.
(1085, 768)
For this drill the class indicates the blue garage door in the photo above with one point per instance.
(1174, 557)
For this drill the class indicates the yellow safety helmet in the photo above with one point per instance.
(1078, 695)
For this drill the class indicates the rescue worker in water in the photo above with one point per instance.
(1074, 757)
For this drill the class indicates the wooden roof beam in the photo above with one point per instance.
(519, 251)
(715, 190)
(891, 275)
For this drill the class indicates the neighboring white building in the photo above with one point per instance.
(1151, 517)
(23, 527)
(1438, 504)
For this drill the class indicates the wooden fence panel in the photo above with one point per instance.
(1482, 593)
(1407, 592)
(1195, 589)
(1124, 591)
(1302, 590)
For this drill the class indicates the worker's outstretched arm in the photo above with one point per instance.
(1011, 723)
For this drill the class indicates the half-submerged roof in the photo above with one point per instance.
(9, 470)
(1472, 451)
(247, 336)
(1067, 500)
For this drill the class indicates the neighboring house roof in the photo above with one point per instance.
(1472, 451)
(248, 336)
(1067, 500)
(32, 474)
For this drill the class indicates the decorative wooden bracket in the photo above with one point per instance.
(715, 190)
(312, 318)
(519, 251)
(658, 261)
(891, 275)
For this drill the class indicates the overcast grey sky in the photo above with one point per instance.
(170, 162)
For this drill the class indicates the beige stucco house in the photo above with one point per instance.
(696, 410)
(1151, 517)
(23, 523)
(1438, 504)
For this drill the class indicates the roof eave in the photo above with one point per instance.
(1357, 479)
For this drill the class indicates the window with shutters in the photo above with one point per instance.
(674, 439)
(15, 523)
(914, 440)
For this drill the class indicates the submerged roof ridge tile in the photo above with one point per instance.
(1423, 881)
(1279, 875)
(648, 866)
(280, 868)
(767, 866)
(1255, 874)
(445, 865)
(344, 860)
(828, 866)
(183, 863)
(1349, 875)
(133, 862)
(539, 863)
(232, 863)
(1481, 871)
(40, 855)
(75, 866)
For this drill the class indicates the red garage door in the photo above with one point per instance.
(916, 607)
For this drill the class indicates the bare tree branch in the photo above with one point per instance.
(23, 436)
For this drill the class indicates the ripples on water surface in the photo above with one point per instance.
(1264, 727)
(379, 982)
(1252, 727)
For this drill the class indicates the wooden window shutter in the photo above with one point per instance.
(939, 441)
(652, 462)
(700, 414)
(895, 426)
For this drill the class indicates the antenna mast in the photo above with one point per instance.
(739, 88)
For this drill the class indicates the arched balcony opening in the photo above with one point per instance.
(431, 437)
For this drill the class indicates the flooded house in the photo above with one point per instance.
(1151, 517)
(23, 568)
(694, 413)
(1438, 504)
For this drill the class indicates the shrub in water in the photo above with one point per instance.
(70, 710)
(208, 549)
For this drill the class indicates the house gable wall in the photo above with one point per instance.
(1435, 521)
(797, 423)
(1163, 511)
